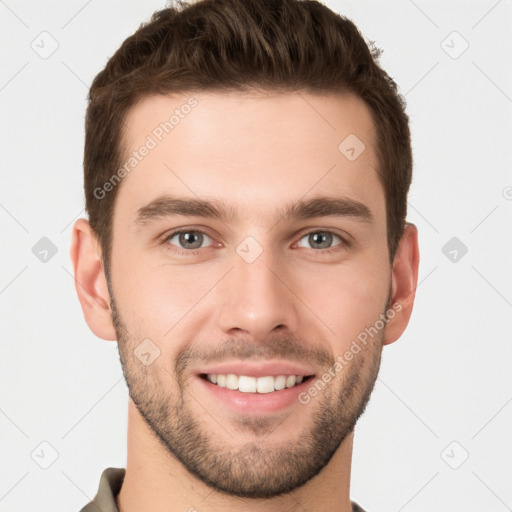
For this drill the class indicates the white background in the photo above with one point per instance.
(447, 379)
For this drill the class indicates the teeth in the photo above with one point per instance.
(265, 384)
(231, 381)
(290, 381)
(246, 384)
(280, 382)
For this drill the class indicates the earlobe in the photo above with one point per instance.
(404, 280)
(90, 281)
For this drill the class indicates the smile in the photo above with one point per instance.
(248, 384)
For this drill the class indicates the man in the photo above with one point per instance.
(246, 165)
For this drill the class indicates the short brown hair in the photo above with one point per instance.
(236, 45)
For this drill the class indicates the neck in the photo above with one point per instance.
(158, 482)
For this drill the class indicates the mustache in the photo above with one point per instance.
(276, 347)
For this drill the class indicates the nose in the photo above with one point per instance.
(256, 298)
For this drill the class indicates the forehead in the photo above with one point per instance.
(252, 151)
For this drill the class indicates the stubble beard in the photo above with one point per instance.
(259, 468)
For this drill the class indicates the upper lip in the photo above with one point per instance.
(258, 369)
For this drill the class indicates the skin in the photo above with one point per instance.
(295, 301)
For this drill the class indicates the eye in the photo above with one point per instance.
(322, 240)
(188, 239)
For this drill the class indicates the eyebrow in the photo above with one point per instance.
(167, 206)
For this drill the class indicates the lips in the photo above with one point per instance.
(258, 369)
(261, 382)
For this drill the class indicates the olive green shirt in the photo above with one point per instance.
(110, 484)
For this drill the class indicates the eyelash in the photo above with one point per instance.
(194, 252)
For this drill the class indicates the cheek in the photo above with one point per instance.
(155, 299)
(346, 299)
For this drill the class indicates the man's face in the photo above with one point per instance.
(258, 294)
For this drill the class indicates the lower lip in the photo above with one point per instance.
(256, 403)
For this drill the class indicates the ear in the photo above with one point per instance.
(90, 281)
(404, 280)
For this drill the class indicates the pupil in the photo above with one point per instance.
(321, 237)
(188, 238)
